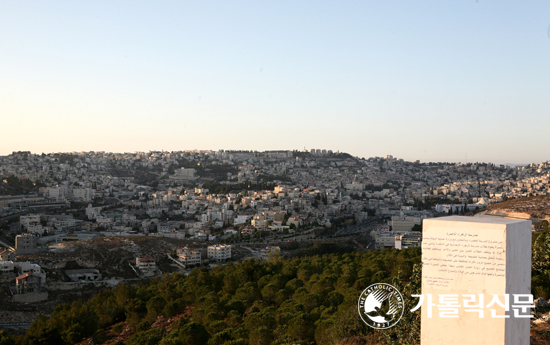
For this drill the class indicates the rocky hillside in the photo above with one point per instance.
(533, 207)
(110, 255)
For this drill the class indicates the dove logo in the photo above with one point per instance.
(381, 306)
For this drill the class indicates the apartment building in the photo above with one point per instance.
(189, 256)
(219, 252)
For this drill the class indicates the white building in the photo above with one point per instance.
(384, 240)
(295, 219)
(31, 223)
(6, 255)
(6, 267)
(219, 252)
(189, 256)
(404, 224)
(53, 193)
(202, 234)
(93, 212)
(355, 186)
(230, 231)
(408, 240)
(83, 194)
(25, 243)
(35, 229)
(29, 219)
(62, 223)
(240, 219)
(164, 227)
(185, 174)
(27, 267)
(86, 274)
(146, 264)
(104, 221)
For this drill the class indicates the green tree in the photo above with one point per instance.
(301, 328)
(407, 330)
(5, 338)
(99, 337)
(150, 337)
(260, 336)
(118, 328)
(143, 326)
(193, 334)
(155, 306)
(174, 308)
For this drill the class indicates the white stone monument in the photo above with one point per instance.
(466, 262)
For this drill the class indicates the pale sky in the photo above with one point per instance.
(430, 80)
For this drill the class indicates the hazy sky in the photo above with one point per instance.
(430, 80)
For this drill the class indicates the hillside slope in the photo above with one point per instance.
(533, 207)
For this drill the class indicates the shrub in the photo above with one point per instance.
(99, 337)
(118, 328)
(143, 326)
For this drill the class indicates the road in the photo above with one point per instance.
(4, 244)
(24, 325)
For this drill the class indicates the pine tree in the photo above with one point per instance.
(407, 330)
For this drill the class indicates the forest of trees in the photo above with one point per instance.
(540, 274)
(303, 300)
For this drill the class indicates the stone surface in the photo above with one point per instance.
(541, 302)
(30, 298)
(475, 255)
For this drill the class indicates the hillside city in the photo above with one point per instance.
(202, 207)
(199, 193)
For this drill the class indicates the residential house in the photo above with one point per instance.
(146, 264)
(28, 283)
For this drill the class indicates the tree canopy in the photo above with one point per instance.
(305, 300)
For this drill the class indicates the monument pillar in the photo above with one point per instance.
(476, 281)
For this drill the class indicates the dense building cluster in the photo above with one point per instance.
(201, 191)
(194, 193)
